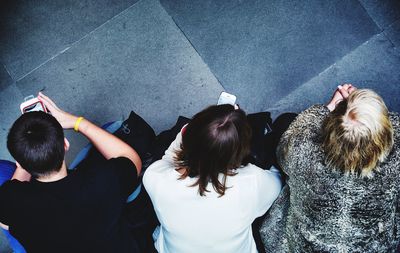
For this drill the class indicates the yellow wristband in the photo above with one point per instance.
(77, 122)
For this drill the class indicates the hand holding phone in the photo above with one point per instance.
(66, 120)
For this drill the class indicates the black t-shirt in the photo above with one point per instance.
(82, 212)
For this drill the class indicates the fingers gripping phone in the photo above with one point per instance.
(226, 98)
(32, 104)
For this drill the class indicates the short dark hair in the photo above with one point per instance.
(215, 141)
(36, 141)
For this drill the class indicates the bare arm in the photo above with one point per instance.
(107, 144)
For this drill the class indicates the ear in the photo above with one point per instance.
(66, 144)
(18, 165)
(21, 174)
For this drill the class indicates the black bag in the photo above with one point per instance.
(165, 138)
(137, 133)
(261, 126)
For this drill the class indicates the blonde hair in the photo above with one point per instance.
(357, 135)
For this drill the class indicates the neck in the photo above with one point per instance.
(55, 176)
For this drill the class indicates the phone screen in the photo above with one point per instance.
(34, 107)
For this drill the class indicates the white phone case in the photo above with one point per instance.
(226, 98)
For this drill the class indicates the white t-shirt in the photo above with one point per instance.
(206, 224)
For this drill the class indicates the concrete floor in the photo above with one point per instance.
(103, 58)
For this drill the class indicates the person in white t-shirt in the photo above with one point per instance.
(204, 198)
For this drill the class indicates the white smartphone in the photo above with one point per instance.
(226, 98)
(32, 104)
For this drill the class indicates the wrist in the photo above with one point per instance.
(77, 121)
(83, 125)
(331, 106)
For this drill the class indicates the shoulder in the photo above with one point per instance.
(395, 120)
(304, 132)
(125, 174)
(159, 167)
(159, 170)
(310, 118)
(120, 162)
(394, 156)
(393, 160)
(13, 192)
(270, 179)
(121, 170)
(113, 165)
(249, 170)
(253, 170)
(260, 187)
(123, 166)
(13, 187)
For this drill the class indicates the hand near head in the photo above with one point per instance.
(107, 144)
(66, 120)
(341, 93)
(346, 89)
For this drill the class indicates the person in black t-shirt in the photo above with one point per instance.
(48, 210)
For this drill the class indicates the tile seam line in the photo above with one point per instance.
(391, 24)
(194, 48)
(77, 41)
(387, 37)
(8, 72)
(369, 15)
(276, 105)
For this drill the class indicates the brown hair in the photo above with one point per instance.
(215, 142)
(358, 133)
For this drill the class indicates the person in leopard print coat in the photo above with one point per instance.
(343, 166)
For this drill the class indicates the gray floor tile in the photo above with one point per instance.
(374, 65)
(138, 61)
(5, 78)
(393, 33)
(261, 50)
(383, 12)
(10, 100)
(31, 32)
